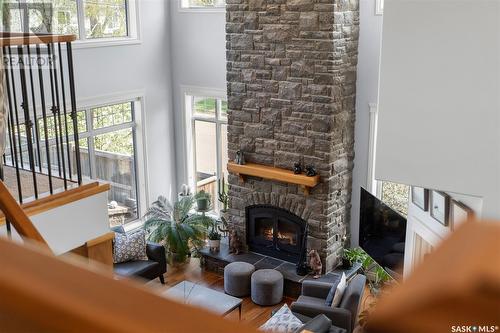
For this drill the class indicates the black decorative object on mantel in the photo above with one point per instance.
(310, 171)
(297, 168)
(240, 158)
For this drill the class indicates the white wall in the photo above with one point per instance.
(439, 109)
(70, 226)
(367, 92)
(198, 46)
(144, 67)
(420, 223)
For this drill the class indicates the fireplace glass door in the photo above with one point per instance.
(264, 230)
(275, 232)
(288, 236)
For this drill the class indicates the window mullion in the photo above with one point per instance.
(90, 143)
(219, 156)
(194, 166)
(80, 12)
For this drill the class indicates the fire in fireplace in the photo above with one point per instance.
(275, 232)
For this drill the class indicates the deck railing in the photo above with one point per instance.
(42, 149)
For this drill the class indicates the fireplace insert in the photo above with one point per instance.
(276, 232)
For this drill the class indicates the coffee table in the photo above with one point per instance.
(199, 296)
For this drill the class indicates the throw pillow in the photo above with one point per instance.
(319, 324)
(283, 321)
(341, 287)
(129, 246)
(333, 290)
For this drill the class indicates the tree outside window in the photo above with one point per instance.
(396, 196)
(203, 3)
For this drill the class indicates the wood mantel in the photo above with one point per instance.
(272, 173)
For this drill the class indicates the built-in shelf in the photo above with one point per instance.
(269, 172)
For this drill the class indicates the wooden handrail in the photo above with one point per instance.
(15, 39)
(41, 293)
(62, 198)
(18, 218)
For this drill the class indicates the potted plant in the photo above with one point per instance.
(214, 240)
(202, 200)
(350, 256)
(185, 192)
(346, 259)
(175, 228)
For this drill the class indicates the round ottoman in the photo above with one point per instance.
(237, 278)
(267, 287)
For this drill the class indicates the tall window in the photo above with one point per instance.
(88, 19)
(202, 4)
(108, 142)
(379, 7)
(109, 154)
(208, 119)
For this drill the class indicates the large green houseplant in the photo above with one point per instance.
(175, 227)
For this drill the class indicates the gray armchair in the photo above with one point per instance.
(312, 302)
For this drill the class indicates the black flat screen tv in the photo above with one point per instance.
(382, 232)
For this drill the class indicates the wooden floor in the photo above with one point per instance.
(252, 314)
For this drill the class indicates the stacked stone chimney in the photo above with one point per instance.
(291, 82)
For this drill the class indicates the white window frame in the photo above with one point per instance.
(133, 28)
(188, 94)
(184, 7)
(379, 7)
(139, 125)
(372, 185)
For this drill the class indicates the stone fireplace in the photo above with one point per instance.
(291, 73)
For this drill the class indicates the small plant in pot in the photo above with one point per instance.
(202, 201)
(351, 256)
(214, 240)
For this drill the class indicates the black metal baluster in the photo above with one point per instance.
(16, 112)
(58, 103)
(44, 116)
(12, 88)
(54, 107)
(63, 92)
(35, 117)
(11, 145)
(28, 125)
(73, 111)
(11, 133)
(9, 228)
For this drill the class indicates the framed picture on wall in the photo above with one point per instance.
(440, 207)
(459, 213)
(420, 197)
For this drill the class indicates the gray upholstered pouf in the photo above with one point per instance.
(267, 287)
(237, 278)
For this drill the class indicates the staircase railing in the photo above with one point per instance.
(43, 149)
(18, 218)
